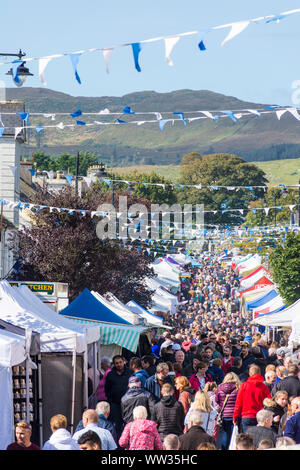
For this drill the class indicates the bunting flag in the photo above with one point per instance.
(69, 178)
(24, 117)
(170, 42)
(107, 55)
(32, 171)
(15, 65)
(76, 113)
(39, 129)
(75, 59)
(17, 131)
(236, 28)
(1, 131)
(43, 62)
(136, 49)
(162, 123)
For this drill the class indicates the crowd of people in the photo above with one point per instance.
(209, 382)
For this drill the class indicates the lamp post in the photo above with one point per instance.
(21, 71)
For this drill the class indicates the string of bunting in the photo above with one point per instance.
(233, 115)
(36, 207)
(170, 41)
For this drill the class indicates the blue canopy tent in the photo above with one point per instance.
(258, 302)
(87, 307)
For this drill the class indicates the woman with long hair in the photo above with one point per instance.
(185, 392)
(226, 397)
(202, 403)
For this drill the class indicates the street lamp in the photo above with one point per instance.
(22, 71)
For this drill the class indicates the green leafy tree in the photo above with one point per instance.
(274, 197)
(285, 263)
(220, 169)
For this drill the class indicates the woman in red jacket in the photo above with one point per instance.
(201, 377)
(250, 399)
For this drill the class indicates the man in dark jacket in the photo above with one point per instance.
(169, 413)
(136, 396)
(155, 382)
(195, 434)
(291, 383)
(292, 427)
(190, 369)
(263, 429)
(247, 357)
(116, 385)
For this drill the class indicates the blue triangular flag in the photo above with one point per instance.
(69, 178)
(136, 49)
(276, 18)
(32, 171)
(162, 123)
(77, 113)
(24, 117)
(128, 110)
(39, 129)
(181, 115)
(80, 123)
(230, 114)
(201, 46)
(15, 65)
(1, 131)
(106, 181)
(120, 121)
(75, 59)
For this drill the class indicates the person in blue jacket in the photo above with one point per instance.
(135, 366)
(292, 427)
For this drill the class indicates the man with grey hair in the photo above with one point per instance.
(156, 381)
(263, 428)
(270, 378)
(195, 434)
(171, 442)
(103, 411)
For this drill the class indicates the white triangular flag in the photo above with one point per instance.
(87, 180)
(43, 62)
(158, 116)
(280, 113)
(236, 28)
(292, 207)
(17, 131)
(253, 111)
(169, 45)
(294, 112)
(266, 209)
(104, 111)
(207, 114)
(60, 125)
(107, 54)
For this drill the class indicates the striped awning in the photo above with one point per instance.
(123, 335)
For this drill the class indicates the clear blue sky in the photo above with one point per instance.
(258, 65)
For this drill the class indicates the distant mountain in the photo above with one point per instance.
(253, 138)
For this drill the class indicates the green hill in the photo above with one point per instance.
(253, 138)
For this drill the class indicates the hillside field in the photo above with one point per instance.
(277, 171)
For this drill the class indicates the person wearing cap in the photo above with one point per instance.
(136, 396)
(247, 357)
(135, 366)
(23, 438)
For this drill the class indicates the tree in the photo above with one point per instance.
(285, 263)
(65, 248)
(282, 198)
(220, 170)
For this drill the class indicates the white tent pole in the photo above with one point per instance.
(27, 364)
(85, 378)
(95, 365)
(40, 400)
(73, 383)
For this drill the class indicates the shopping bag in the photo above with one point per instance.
(235, 431)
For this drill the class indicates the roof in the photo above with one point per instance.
(87, 307)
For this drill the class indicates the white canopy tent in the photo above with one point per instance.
(118, 308)
(167, 273)
(149, 317)
(270, 306)
(290, 316)
(251, 280)
(12, 352)
(21, 310)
